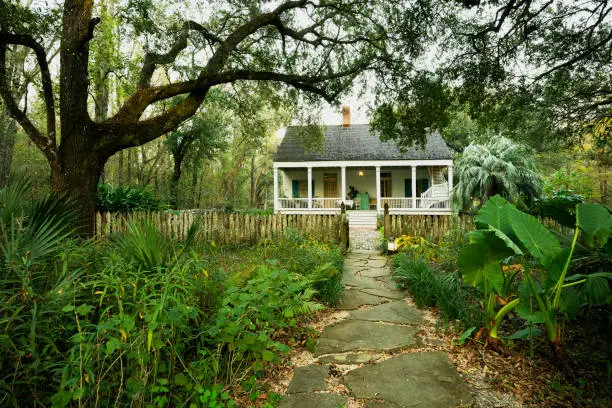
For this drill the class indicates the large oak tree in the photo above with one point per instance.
(315, 46)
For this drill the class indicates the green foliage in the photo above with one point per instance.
(430, 288)
(423, 104)
(499, 166)
(560, 206)
(139, 320)
(125, 198)
(250, 315)
(319, 263)
(507, 234)
(565, 181)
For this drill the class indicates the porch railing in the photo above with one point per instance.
(326, 203)
(292, 203)
(406, 203)
(317, 203)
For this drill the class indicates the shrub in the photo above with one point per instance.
(250, 315)
(126, 198)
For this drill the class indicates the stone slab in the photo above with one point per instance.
(352, 299)
(311, 400)
(385, 292)
(308, 379)
(358, 335)
(378, 257)
(350, 358)
(377, 263)
(350, 279)
(352, 264)
(380, 404)
(394, 312)
(374, 272)
(420, 380)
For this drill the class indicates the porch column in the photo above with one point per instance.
(343, 196)
(275, 189)
(309, 187)
(450, 179)
(378, 204)
(414, 192)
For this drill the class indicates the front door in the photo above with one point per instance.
(385, 185)
(330, 185)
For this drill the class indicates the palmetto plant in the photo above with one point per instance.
(38, 265)
(497, 167)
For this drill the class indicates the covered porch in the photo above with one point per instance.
(406, 186)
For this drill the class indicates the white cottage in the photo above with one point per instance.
(356, 168)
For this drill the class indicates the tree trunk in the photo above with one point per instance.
(174, 182)
(130, 160)
(253, 187)
(8, 129)
(120, 168)
(79, 178)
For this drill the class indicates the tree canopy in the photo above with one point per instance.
(538, 70)
(181, 49)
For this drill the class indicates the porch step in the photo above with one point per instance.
(362, 219)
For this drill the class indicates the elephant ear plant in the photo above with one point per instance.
(518, 264)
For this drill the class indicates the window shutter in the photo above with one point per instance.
(407, 188)
(425, 184)
(295, 186)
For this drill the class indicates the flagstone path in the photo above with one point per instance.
(374, 350)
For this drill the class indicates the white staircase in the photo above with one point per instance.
(437, 176)
(362, 219)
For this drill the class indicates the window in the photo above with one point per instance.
(300, 189)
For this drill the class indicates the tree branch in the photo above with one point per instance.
(46, 143)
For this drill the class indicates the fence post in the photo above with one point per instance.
(344, 228)
(387, 222)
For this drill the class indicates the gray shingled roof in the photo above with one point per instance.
(357, 143)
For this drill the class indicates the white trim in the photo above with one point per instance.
(365, 163)
(378, 188)
(309, 187)
(343, 171)
(413, 187)
(275, 189)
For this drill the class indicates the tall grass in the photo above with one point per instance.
(434, 289)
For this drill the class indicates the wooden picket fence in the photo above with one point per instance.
(430, 227)
(225, 228)
(435, 227)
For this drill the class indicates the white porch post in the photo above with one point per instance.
(414, 192)
(450, 179)
(378, 203)
(309, 187)
(275, 189)
(343, 168)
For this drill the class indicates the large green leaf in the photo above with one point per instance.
(480, 260)
(596, 223)
(507, 240)
(495, 213)
(539, 241)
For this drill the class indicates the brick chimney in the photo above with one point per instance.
(346, 116)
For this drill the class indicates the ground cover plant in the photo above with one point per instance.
(141, 319)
